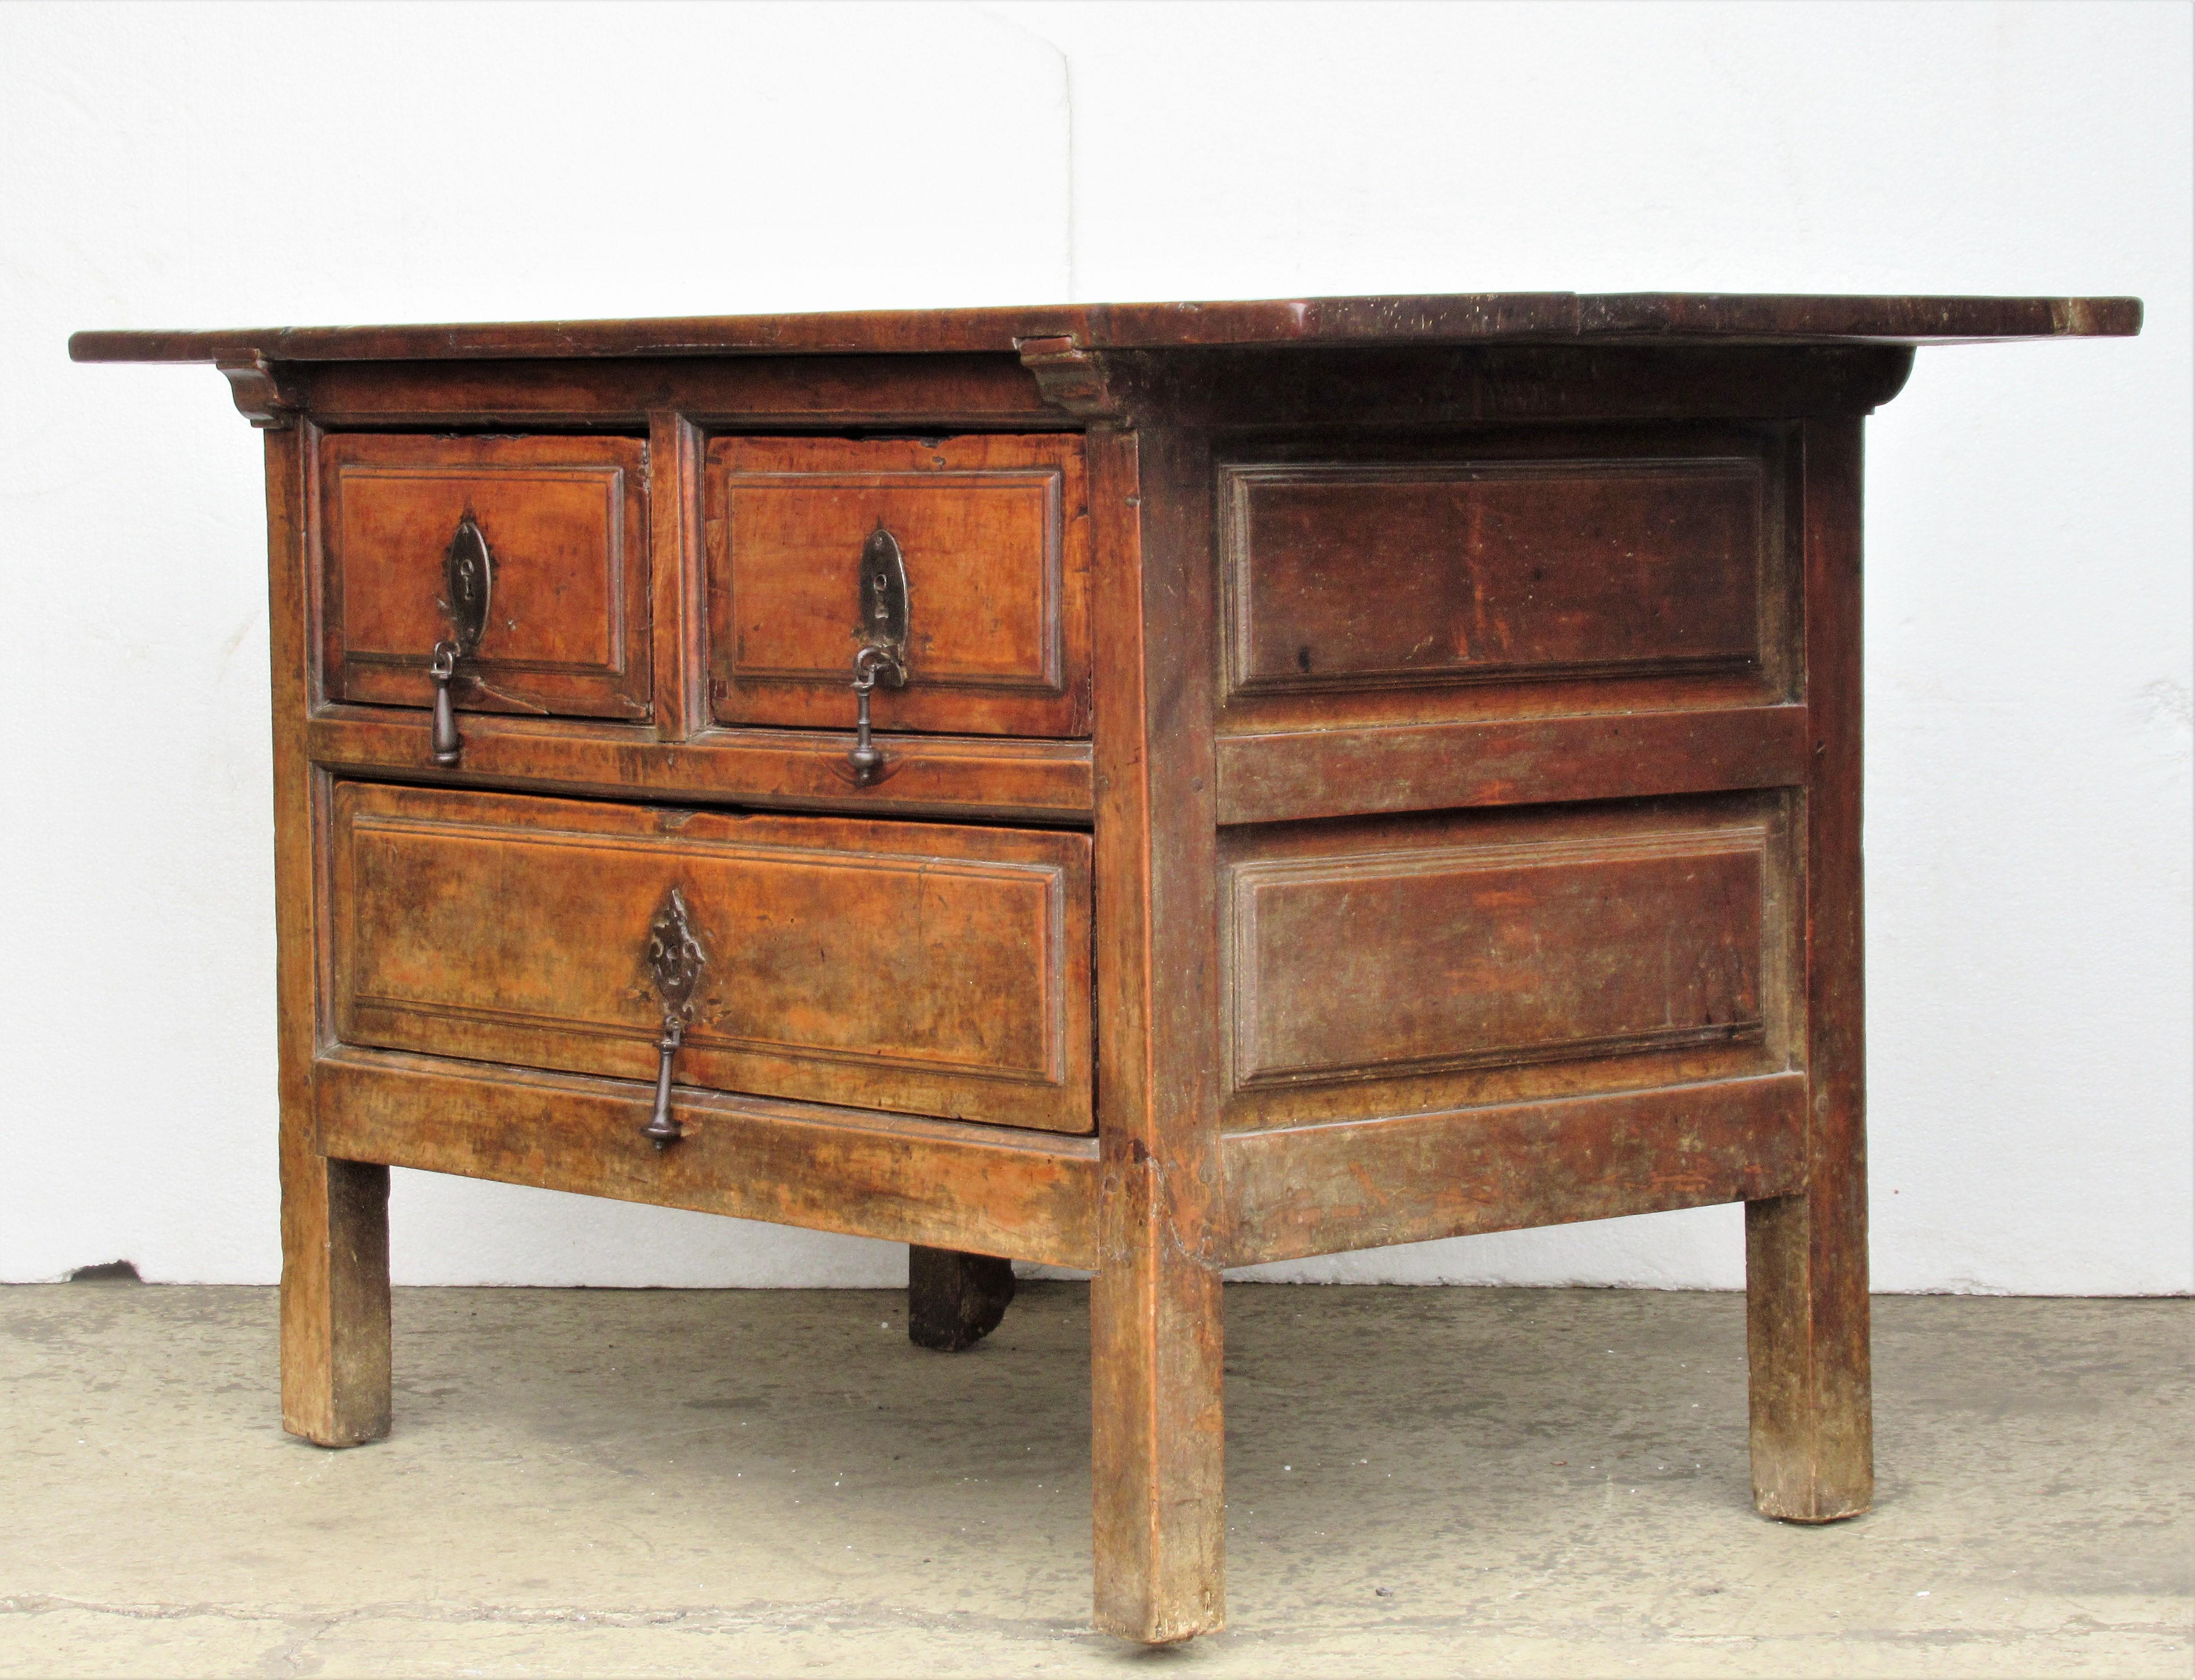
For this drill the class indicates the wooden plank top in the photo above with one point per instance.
(1542, 317)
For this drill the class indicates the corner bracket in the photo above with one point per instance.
(262, 396)
(1070, 377)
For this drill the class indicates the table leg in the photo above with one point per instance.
(1805, 1255)
(1157, 1478)
(1158, 1441)
(1807, 1342)
(954, 1300)
(335, 1298)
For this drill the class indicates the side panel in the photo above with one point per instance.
(1380, 574)
(1383, 966)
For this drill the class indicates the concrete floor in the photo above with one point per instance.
(1422, 1482)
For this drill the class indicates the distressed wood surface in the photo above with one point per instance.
(1397, 965)
(1433, 319)
(1412, 1178)
(994, 532)
(1295, 775)
(1807, 1330)
(923, 775)
(1471, 800)
(1348, 575)
(1375, 578)
(567, 527)
(335, 1348)
(1157, 1476)
(678, 658)
(977, 1188)
(922, 968)
(941, 395)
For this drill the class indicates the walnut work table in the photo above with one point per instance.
(1150, 789)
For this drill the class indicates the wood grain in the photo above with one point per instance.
(1370, 574)
(924, 775)
(944, 396)
(1376, 579)
(1436, 319)
(980, 1189)
(1455, 951)
(1412, 1178)
(996, 535)
(1807, 1298)
(565, 521)
(1157, 1474)
(1471, 790)
(335, 1350)
(1402, 965)
(924, 969)
(1294, 774)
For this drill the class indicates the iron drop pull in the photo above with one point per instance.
(448, 744)
(661, 1129)
(674, 962)
(881, 656)
(468, 572)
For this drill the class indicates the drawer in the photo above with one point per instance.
(909, 967)
(994, 535)
(564, 523)
(1506, 560)
(1380, 966)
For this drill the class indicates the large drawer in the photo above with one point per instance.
(563, 522)
(908, 967)
(993, 533)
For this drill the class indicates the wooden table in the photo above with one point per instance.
(1336, 773)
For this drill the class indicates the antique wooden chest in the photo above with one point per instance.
(1148, 788)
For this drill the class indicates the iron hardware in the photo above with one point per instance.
(675, 961)
(468, 574)
(661, 1129)
(882, 657)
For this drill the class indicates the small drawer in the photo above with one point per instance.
(992, 534)
(563, 524)
(915, 968)
(1510, 559)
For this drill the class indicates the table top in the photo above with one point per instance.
(1449, 319)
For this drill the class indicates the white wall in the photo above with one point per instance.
(2029, 612)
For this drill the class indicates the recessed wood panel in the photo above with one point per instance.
(565, 523)
(1431, 952)
(1365, 574)
(994, 533)
(926, 969)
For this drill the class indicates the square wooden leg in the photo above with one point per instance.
(1805, 1255)
(1157, 1449)
(954, 1300)
(335, 1300)
(1806, 1344)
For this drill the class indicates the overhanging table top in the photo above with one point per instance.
(1450, 319)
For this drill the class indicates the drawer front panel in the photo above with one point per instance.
(1505, 562)
(565, 523)
(995, 536)
(1501, 956)
(917, 968)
